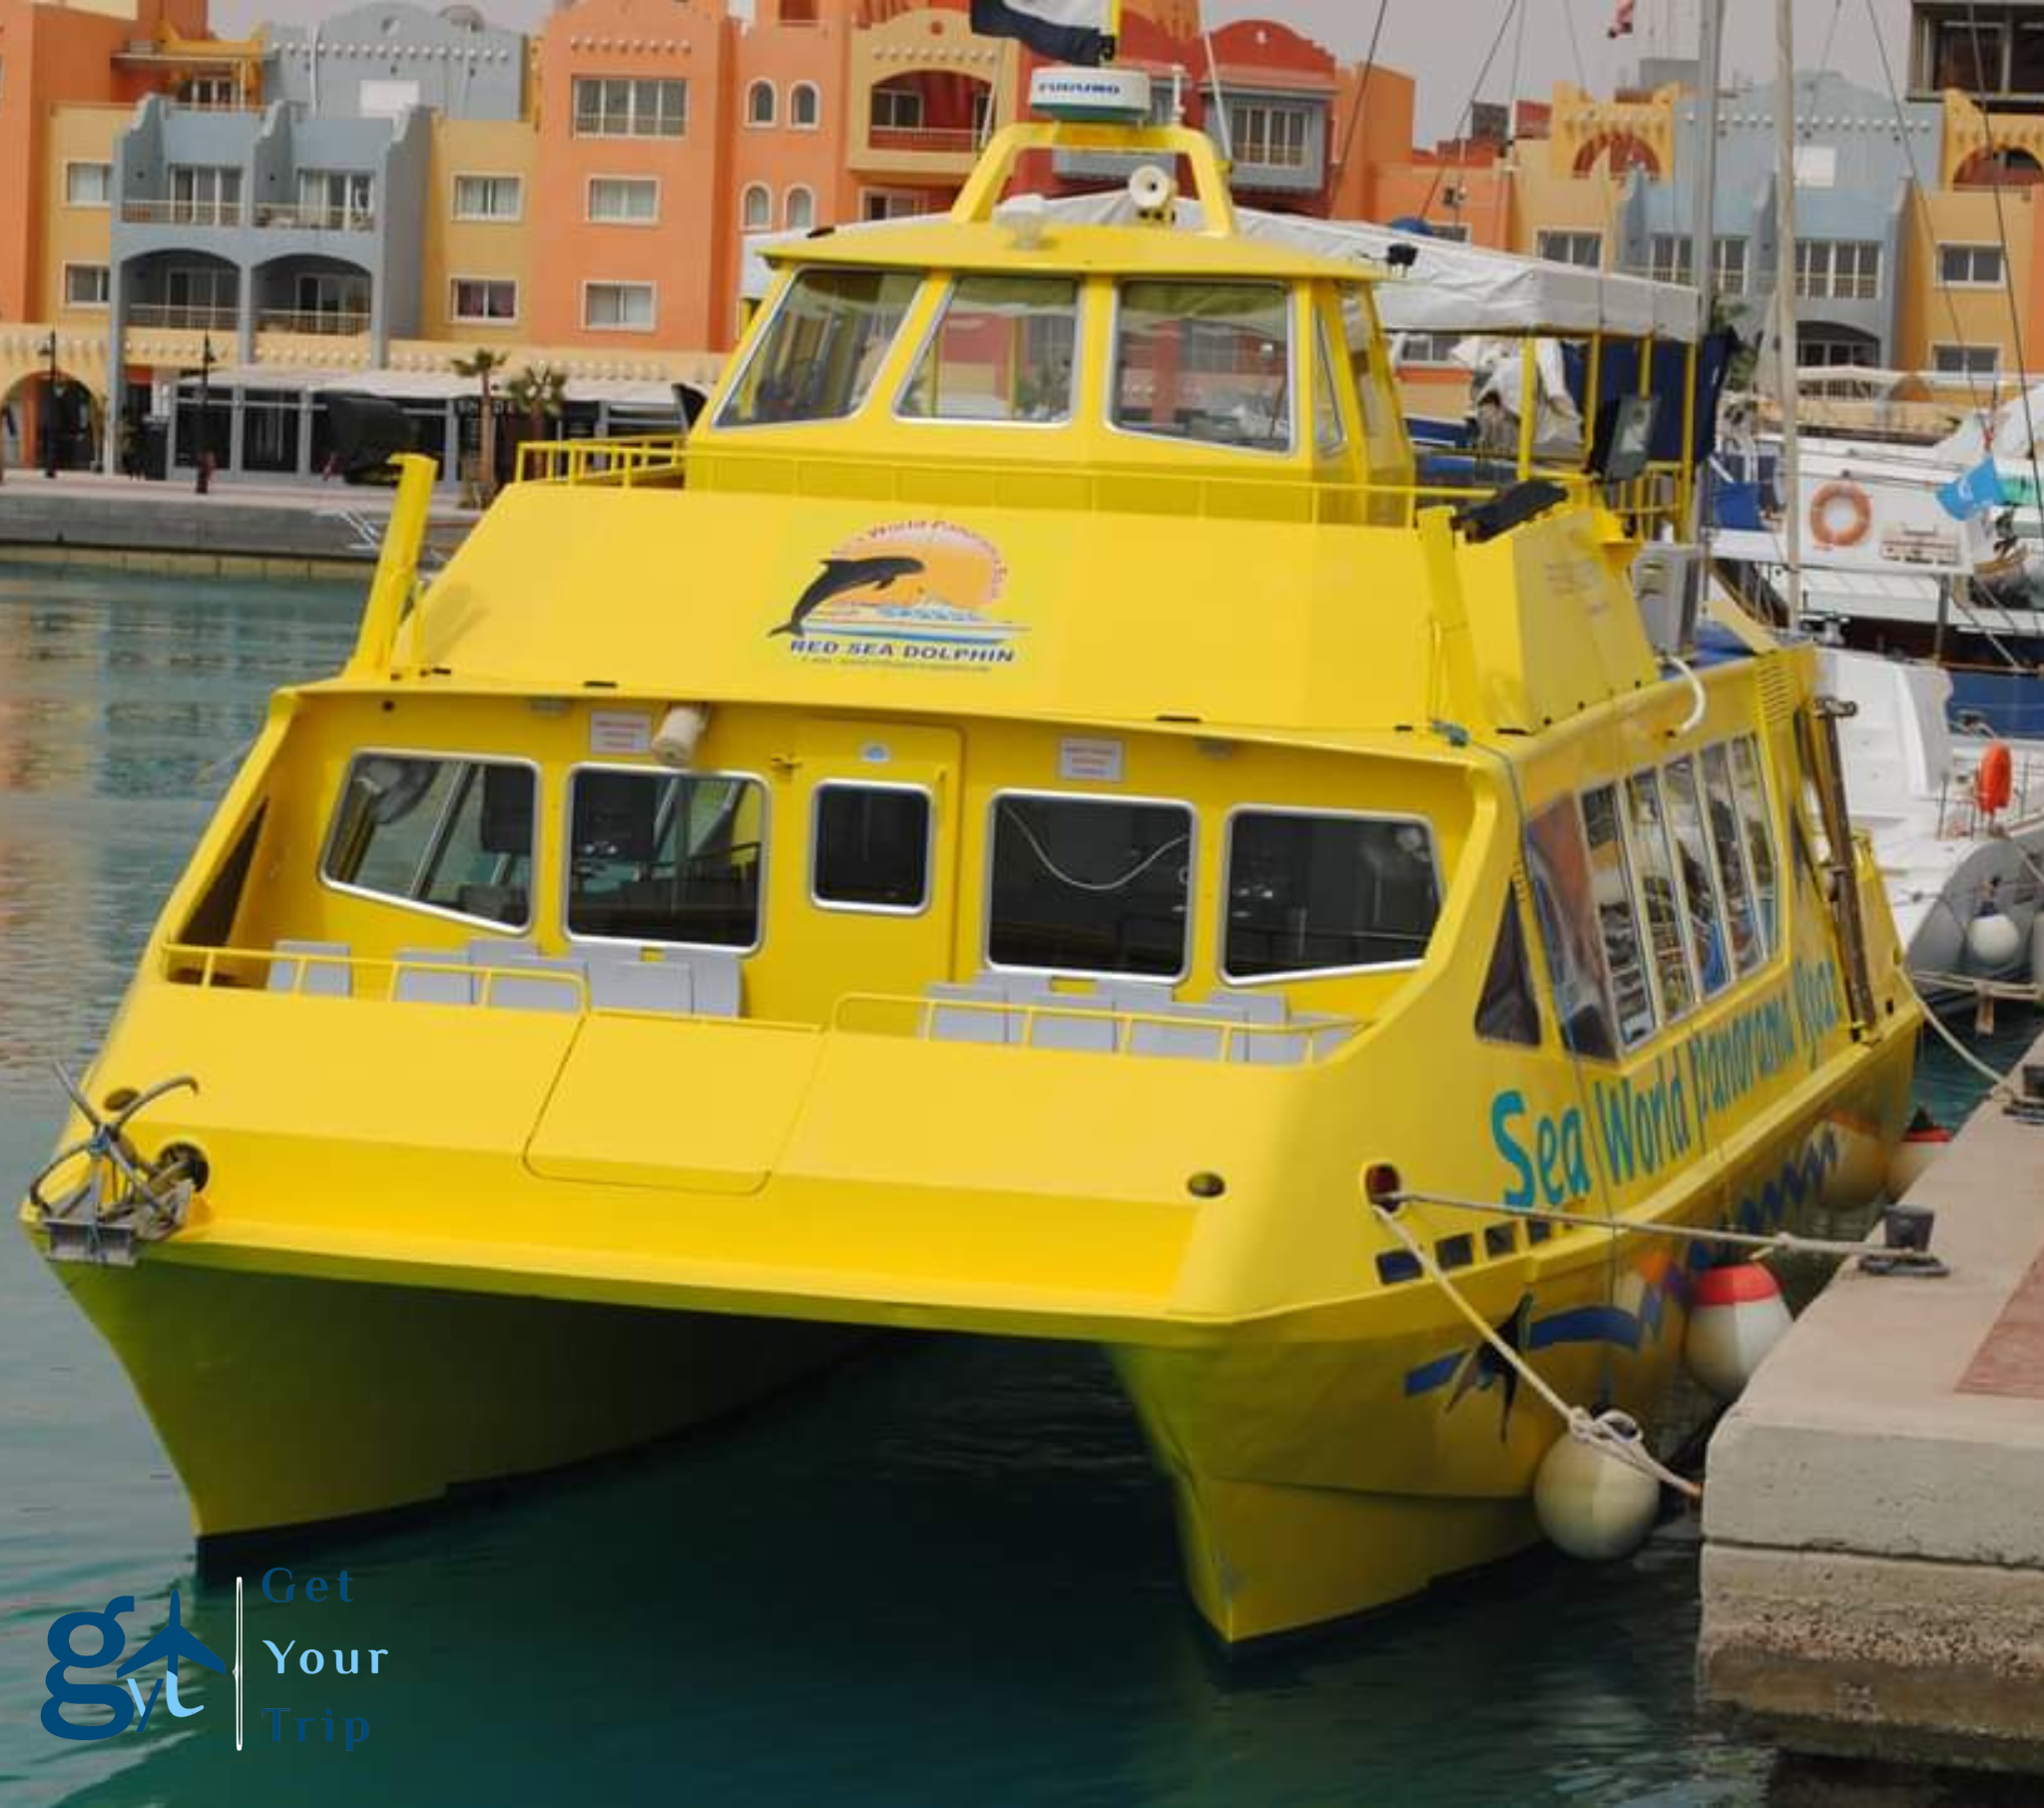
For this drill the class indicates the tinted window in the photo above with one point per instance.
(1759, 840)
(1312, 893)
(818, 355)
(1206, 362)
(665, 857)
(1611, 888)
(453, 834)
(1003, 351)
(1698, 887)
(1560, 866)
(872, 847)
(1507, 1011)
(1091, 885)
(1661, 894)
(1722, 813)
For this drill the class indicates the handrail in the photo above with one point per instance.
(988, 183)
(616, 463)
(397, 566)
(921, 1011)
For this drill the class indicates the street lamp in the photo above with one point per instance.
(49, 351)
(203, 481)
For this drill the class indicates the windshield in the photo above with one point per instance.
(1205, 361)
(819, 354)
(1002, 351)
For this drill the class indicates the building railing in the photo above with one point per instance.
(944, 140)
(332, 322)
(207, 317)
(621, 462)
(288, 217)
(181, 212)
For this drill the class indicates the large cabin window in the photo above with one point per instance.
(871, 849)
(1611, 888)
(1003, 349)
(1722, 813)
(1759, 842)
(1699, 884)
(1507, 1011)
(1559, 861)
(1310, 893)
(1209, 363)
(1089, 885)
(1331, 432)
(1661, 895)
(664, 857)
(818, 357)
(452, 835)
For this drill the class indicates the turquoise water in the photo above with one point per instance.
(945, 1575)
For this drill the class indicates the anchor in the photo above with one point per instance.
(123, 1198)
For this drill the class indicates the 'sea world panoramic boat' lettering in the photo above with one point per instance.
(1001, 836)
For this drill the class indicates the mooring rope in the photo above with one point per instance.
(1610, 1431)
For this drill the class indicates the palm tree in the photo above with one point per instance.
(483, 364)
(540, 394)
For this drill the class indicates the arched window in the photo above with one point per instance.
(761, 104)
(757, 209)
(804, 106)
(800, 210)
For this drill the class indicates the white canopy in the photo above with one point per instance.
(2013, 425)
(420, 385)
(1450, 288)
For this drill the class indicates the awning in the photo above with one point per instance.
(425, 385)
(1450, 288)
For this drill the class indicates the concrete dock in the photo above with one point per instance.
(242, 528)
(1874, 1520)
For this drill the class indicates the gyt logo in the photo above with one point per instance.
(172, 1644)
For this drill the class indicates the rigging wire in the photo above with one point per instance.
(1568, 13)
(1469, 106)
(1369, 64)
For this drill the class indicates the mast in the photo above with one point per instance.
(1785, 305)
(1710, 55)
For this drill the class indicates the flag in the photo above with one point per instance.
(1066, 31)
(1967, 495)
(1622, 21)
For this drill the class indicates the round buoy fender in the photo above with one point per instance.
(1840, 515)
(1923, 1142)
(1735, 1317)
(1993, 941)
(1994, 779)
(1591, 1503)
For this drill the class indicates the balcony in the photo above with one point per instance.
(944, 140)
(925, 123)
(181, 212)
(173, 316)
(315, 219)
(327, 322)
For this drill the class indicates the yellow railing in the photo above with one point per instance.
(638, 458)
(1057, 1022)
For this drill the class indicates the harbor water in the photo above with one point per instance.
(944, 1575)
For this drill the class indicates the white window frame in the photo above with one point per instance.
(621, 282)
(72, 306)
(929, 856)
(1315, 814)
(592, 218)
(1549, 237)
(455, 314)
(106, 200)
(517, 182)
(1723, 258)
(635, 126)
(814, 123)
(756, 191)
(788, 207)
(1953, 358)
(891, 96)
(753, 91)
(1254, 128)
(1972, 254)
(1821, 280)
(918, 197)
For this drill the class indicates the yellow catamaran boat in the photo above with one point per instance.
(1004, 846)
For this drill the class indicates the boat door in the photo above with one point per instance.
(866, 882)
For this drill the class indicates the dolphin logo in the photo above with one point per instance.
(839, 577)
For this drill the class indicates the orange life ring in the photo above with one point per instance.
(1993, 779)
(1824, 522)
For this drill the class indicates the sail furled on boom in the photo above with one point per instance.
(1066, 31)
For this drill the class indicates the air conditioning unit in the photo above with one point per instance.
(1668, 582)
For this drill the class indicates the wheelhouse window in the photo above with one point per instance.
(1759, 840)
(1722, 813)
(871, 849)
(1661, 895)
(1699, 885)
(1205, 362)
(1089, 885)
(1507, 1010)
(1003, 350)
(1310, 893)
(818, 355)
(664, 857)
(1612, 891)
(443, 834)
